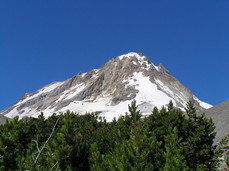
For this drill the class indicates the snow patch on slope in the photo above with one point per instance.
(68, 94)
(77, 90)
(171, 93)
(202, 104)
(157, 68)
(148, 91)
(12, 113)
(45, 89)
(149, 94)
(101, 106)
(147, 97)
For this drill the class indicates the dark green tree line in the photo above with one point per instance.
(168, 139)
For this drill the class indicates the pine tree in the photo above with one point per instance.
(166, 140)
(174, 160)
(138, 153)
(198, 147)
(135, 114)
(224, 149)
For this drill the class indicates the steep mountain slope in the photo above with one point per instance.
(220, 116)
(108, 91)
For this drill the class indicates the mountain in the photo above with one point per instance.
(108, 91)
(3, 119)
(220, 116)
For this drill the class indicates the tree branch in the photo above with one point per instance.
(46, 142)
(54, 165)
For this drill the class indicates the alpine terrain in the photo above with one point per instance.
(219, 115)
(108, 91)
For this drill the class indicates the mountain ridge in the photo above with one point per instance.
(108, 90)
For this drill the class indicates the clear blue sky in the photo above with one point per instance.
(52, 40)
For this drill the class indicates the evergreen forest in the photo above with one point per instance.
(167, 140)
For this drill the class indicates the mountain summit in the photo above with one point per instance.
(108, 91)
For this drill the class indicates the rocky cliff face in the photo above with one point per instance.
(108, 91)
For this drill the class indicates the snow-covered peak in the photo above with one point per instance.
(138, 59)
(108, 91)
(131, 55)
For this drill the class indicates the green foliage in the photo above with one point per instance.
(168, 140)
(139, 152)
(227, 160)
(135, 114)
(224, 148)
(174, 160)
(198, 146)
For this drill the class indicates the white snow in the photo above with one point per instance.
(27, 112)
(149, 95)
(135, 63)
(12, 113)
(157, 68)
(141, 59)
(50, 87)
(148, 92)
(73, 91)
(178, 96)
(147, 65)
(202, 104)
(101, 104)
(45, 89)
(130, 55)
(83, 74)
(77, 90)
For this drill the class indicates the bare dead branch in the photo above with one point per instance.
(46, 142)
(54, 165)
